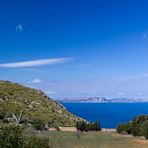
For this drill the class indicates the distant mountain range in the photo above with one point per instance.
(100, 100)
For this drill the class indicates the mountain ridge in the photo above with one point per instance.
(99, 100)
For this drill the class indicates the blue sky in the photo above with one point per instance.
(76, 48)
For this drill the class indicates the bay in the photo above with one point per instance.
(109, 114)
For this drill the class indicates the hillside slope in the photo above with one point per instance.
(33, 104)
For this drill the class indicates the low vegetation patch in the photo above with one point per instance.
(31, 107)
(88, 126)
(137, 127)
(11, 136)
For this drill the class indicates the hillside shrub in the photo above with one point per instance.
(5, 121)
(136, 130)
(38, 125)
(137, 123)
(36, 142)
(144, 129)
(88, 126)
(124, 128)
(137, 127)
(11, 137)
(2, 115)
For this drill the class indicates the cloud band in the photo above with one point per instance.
(35, 63)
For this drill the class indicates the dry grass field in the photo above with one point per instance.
(63, 139)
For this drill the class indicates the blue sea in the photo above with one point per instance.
(109, 114)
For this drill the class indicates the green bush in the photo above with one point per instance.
(81, 125)
(35, 142)
(136, 130)
(137, 127)
(5, 121)
(137, 123)
(88, 126)
(11, 137)
(38, 125)
(124, 128)
(2, 115)
(144, 129)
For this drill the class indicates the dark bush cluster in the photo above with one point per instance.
(11, 136)
(88, 126)
(2, 115)
(137, 127)
(38, 125)
(124, 128)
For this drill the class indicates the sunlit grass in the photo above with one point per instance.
(60, 139)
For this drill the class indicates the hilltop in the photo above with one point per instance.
(17, 101)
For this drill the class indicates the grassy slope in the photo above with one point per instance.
(34, 103)
(59, 139)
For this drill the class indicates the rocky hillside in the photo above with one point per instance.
(17, 101)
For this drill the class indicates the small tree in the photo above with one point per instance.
(78, 134)
(81, 125)
(97, 126)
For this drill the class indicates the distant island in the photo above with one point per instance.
(100, 100)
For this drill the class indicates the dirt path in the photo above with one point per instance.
(108, 130)
(74, 129)
(68, 129)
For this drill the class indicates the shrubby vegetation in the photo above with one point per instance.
(88, 126)
(38, 125)
(124, 128)
(35, 142)
(23, 105)
(144, 129)
(11, 136)
(137, 127)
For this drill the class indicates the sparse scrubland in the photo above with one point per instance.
(30, 138)
(27, 114)
(31, 107)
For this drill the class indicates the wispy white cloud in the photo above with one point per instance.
(133, 77)
(19, 28)
(35, 63)
(36, 81)
(120, 93)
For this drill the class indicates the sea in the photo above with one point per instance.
(109, 114)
